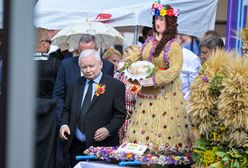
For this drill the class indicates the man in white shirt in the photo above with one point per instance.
(190, 70)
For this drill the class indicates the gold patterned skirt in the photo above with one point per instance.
(160, 120)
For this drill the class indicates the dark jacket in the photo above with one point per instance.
(69, 71)
(106, 110)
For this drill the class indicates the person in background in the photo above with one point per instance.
(60, 53)
(113, 56)
(190, 70)
(91, 117)
(48, 64)
(210, 33)
(47, 68)
(191, 43)
(146, 32)
(130, 97)
(210, 44)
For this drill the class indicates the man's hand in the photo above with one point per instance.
(64, 132)
(101, 134)
(146, 82)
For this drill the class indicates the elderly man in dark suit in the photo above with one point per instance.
(68, 72)
(94, 108)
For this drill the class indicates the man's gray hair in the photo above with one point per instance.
(86, 38)
(88, 53)
(212, 42)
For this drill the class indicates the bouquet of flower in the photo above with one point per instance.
(219, 156)
(162, 155)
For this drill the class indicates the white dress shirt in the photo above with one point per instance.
(190, 70)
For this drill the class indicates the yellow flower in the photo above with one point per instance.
(222, 129)
(216, 136)
(209, 157)
(129, 155)
(100, 89)
(176, 158)
(162, 12)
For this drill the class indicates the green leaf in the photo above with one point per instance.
(204, 148)
(201, 142)
(150, 72)
(217, 165)
(220, 154)
(234, 153)
(236, 164)
(226, 158)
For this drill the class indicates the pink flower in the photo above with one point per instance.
(176, 12)
(204, 79)
(160, 6)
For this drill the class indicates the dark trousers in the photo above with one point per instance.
(61, 160)
(45, 135)
(77, 148)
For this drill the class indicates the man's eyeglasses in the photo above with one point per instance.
(47, 41)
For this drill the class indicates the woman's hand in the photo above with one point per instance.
(146, 82)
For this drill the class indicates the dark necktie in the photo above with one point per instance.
(85, 106)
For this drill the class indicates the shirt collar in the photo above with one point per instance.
(97, 79)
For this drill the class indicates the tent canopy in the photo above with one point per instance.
(196, 16)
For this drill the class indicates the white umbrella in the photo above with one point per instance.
(106, 35)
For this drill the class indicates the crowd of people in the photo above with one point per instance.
(82, 100)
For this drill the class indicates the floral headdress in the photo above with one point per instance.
(159, 9)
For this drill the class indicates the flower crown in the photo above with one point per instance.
(161, 10)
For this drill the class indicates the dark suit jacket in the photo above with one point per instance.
(106, 110)
(69, 71)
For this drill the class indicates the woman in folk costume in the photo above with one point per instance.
(160, 115)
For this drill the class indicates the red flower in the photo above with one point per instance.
(170, 12)
(100, 89)
(134, 89)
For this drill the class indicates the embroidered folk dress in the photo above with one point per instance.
(160, 115)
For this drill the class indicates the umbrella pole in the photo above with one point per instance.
(136, 34)
(101, 52)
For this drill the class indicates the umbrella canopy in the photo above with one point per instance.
(69, 37)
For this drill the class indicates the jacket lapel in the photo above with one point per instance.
(95, 98)
(80, 94)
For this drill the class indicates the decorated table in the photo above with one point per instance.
(129, 154)
(97, 164)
